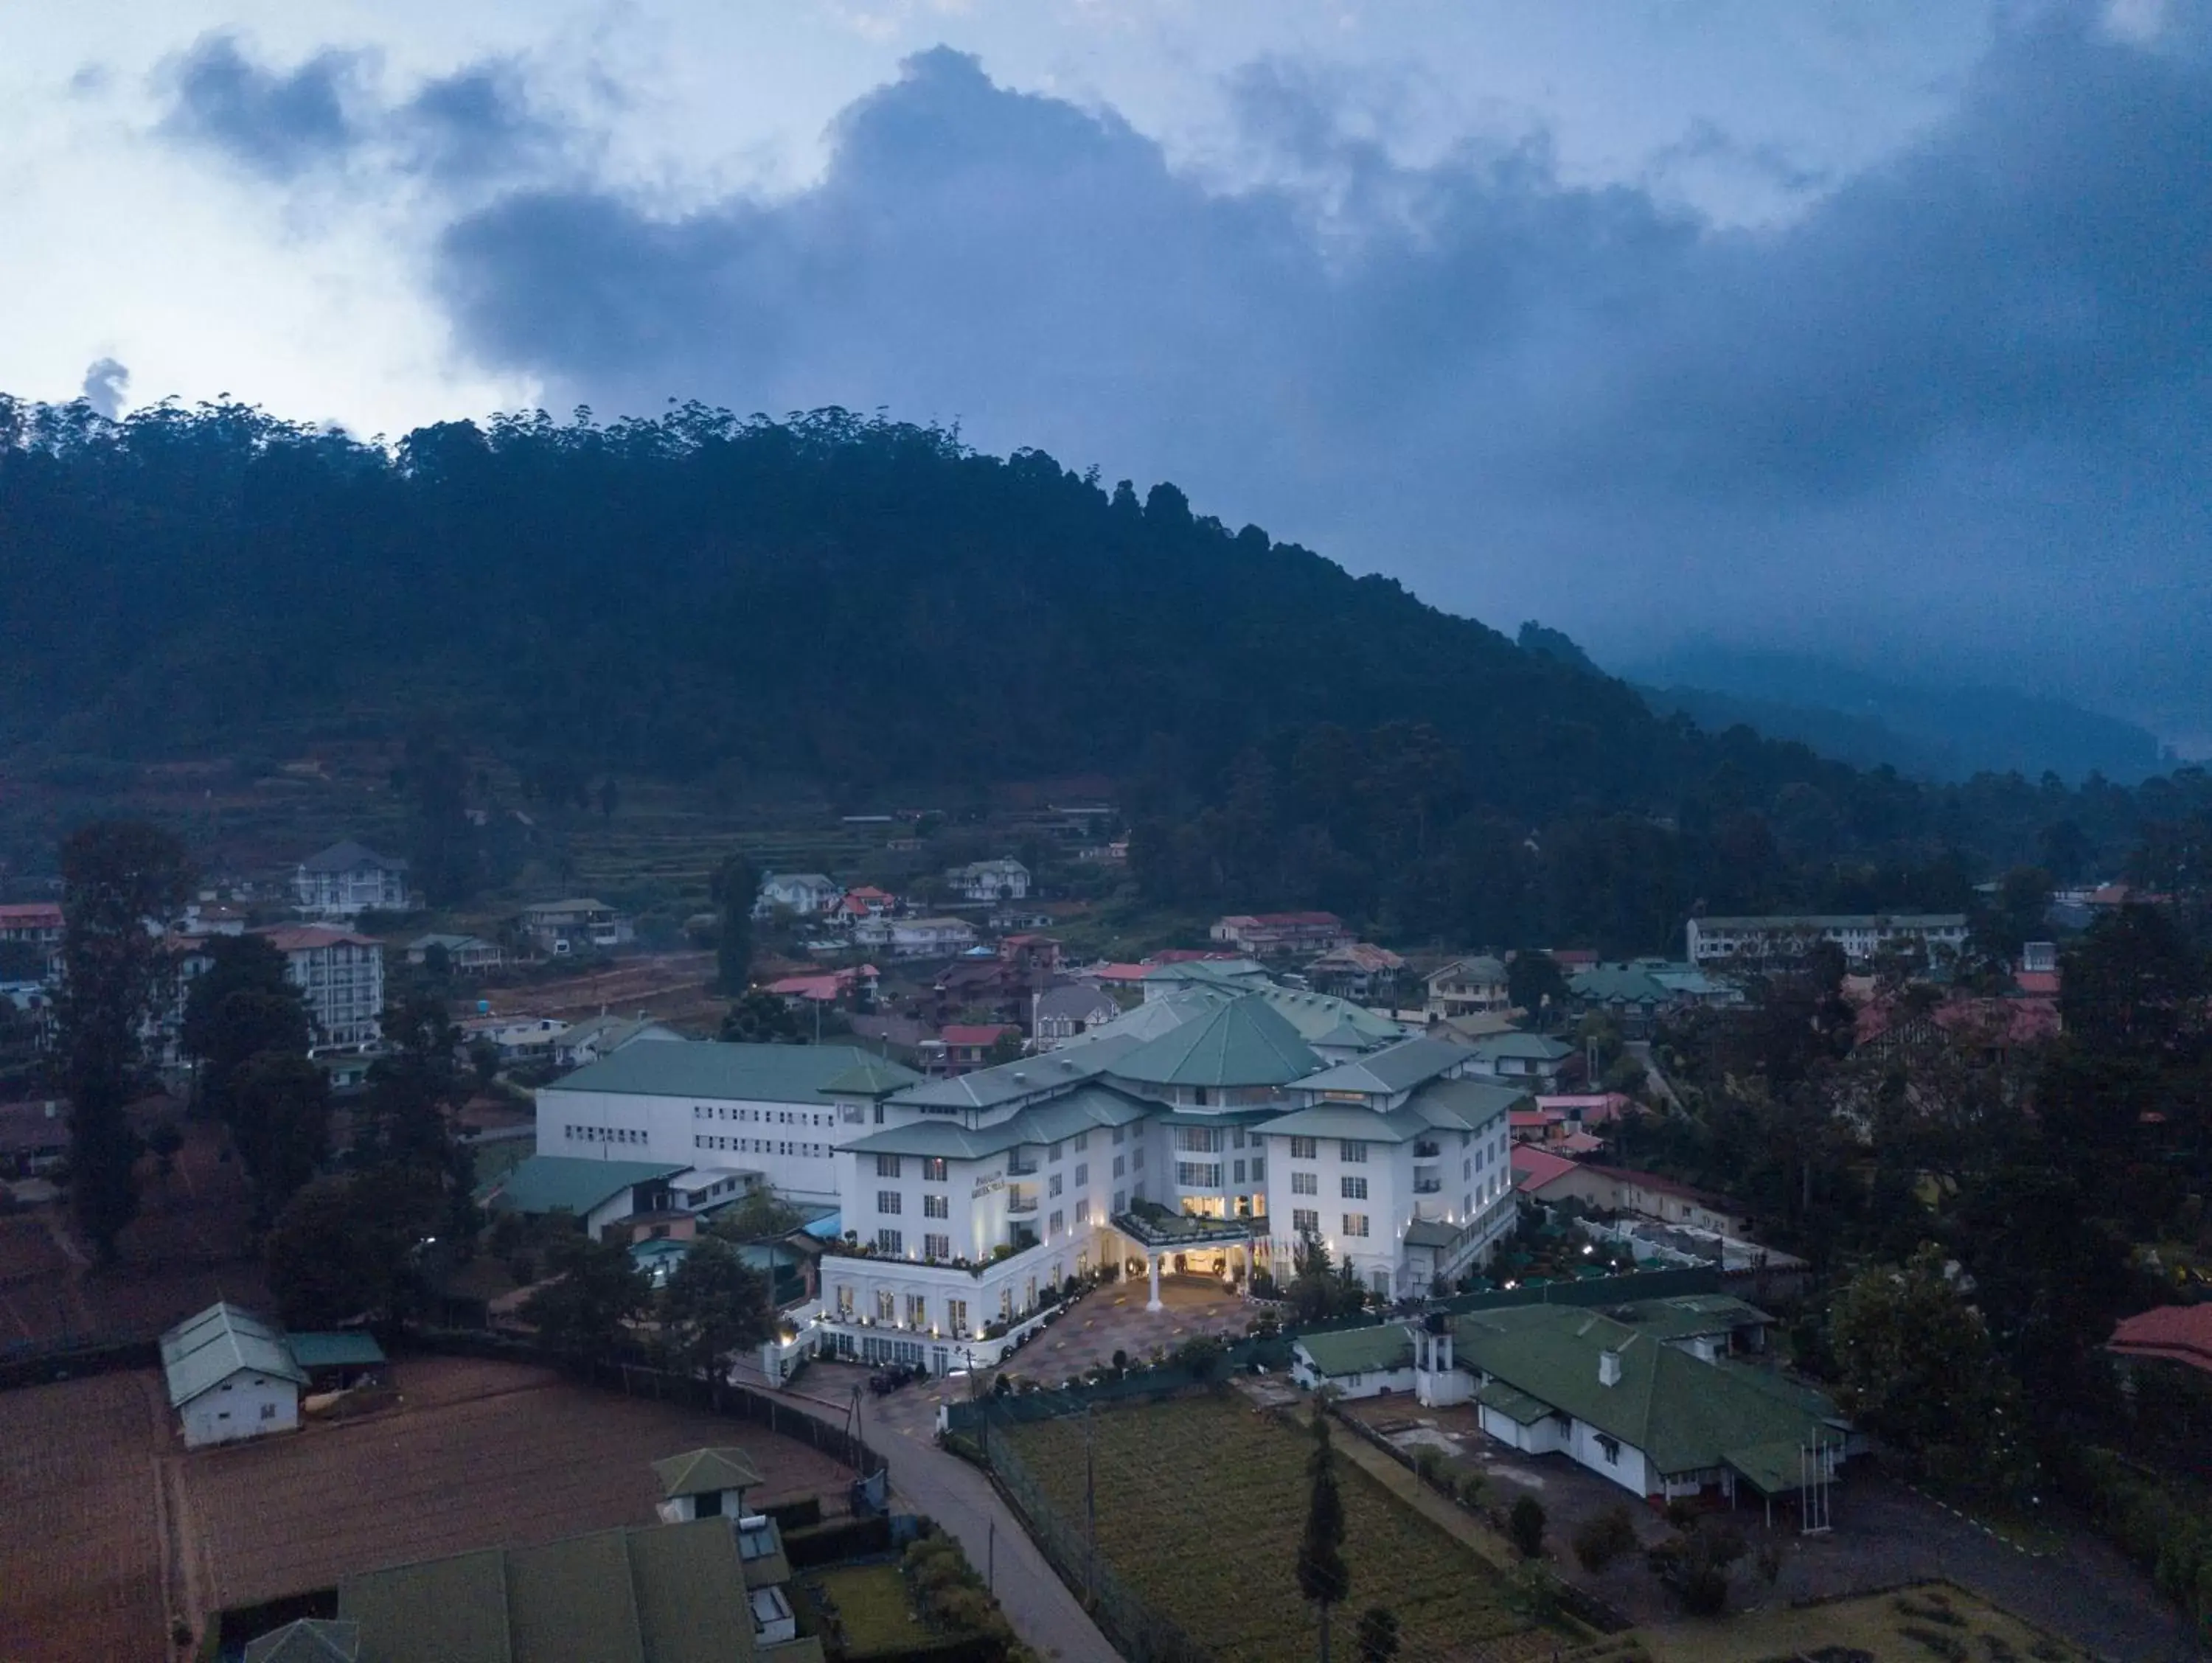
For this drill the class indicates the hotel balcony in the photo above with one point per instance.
(1021, 1204)
(1427, 1149)
(1017, 1167)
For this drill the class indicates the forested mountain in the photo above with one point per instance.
(869, 604)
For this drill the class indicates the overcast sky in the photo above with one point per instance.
(1881, 328)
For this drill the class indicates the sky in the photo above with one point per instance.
(1875, 329)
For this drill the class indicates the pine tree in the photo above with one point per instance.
(1323, 1577)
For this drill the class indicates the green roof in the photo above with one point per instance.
(335, 1351)
(1516, 1406)
(1684, 1413)
(1469, 1103)
(1243, 1042)
(1349, 1120)
(1358, 1350)
(1086, 1109)
(1537, 1045)
(307, 1640)
(1394, 1068)
(729, 1073)
(203, 1351)
(1432, 1233)
(703, 1471)
(661, 1593)
(1083, 1058)
(548, 1183)
(878, 1077)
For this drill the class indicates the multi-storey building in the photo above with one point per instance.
(340, 975)
(347, 879)
(34, 923)
(1468, 986)
(1863, 936)
(1207, 1129)
(989, 880)
(1277, 935)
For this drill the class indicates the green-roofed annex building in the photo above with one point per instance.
(1202, 1132)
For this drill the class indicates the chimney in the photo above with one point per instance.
(1609, 1368)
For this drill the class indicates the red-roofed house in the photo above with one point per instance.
(1537, 1126)
(1030, 952)
(866, 902)
(1117, 976)
(1277, 935)
(2172, 1333)
(964, 1048)
(1581, 1143)
(38, 923)
(1590, 1109)
(853, 987)
(1536, 1170)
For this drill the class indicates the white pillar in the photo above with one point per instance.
(1153, 1266)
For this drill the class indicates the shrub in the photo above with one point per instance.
(1525, 1525)
(1604, 1537)
(1120, 1362)
(1427, 1463)
(1693, 1566)
(1470, 1491)
(1937, 1608)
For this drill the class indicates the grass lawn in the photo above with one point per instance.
(1916, 1625)
(1201, 1501)
(870, 1601)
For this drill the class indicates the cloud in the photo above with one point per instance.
(105, 382)
(278, 126)
(473, 126)
(1929, 412)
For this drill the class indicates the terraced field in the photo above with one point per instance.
(1200, 1503)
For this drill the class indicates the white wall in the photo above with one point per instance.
(246, 1405)
(792, 1144)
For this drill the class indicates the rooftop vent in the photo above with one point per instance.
(1609, 1368)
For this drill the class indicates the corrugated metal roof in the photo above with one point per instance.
(309, 1640)
(545, 1183)
(1392, 1069)
(727, 1071)
(1083, 1109)
(1358, 1350)
(334, 1350)
(203, 1351)
(700, 1472)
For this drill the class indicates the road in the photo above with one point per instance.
(926, 1480)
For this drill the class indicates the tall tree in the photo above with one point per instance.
(597, 1290)
(1378, 1637)
(121, 879)
(278, 1107)
(1323, 1577)
(1532, 979)
(714, 1304)
(443, 842)
(347, 1248)
(240, 1005)
(736, 886)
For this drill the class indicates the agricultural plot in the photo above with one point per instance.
(1200, 1504)
(479, 1454)
(81, 1567)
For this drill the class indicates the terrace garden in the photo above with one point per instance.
(1200, 1501)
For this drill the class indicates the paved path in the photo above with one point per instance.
(901, 1428)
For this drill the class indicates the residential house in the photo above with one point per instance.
(339, 974)
(705, 1484)
(467, 955)
(560, 927)
(1032, 956)
(1636, 993)
(806, 894)
(1281, 935)
(1360, 971)
(1535, 1061)
(864, 900)
(1863, 937)
(931, 937)
(964, 1048)
(853, 987)
(985, 881)
(2180, 1334)
(583, 1043)
(1467, 988)
(1058, 1013)
(229, 1377)
(34, 1137)
(599, 1190)
(517, 1038)
(349, 878)
(33, 923)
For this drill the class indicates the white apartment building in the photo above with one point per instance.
(341, 976)
(1863, 937)
(804, 892)
(347, 879)
(1198, 1132)
(989, 880)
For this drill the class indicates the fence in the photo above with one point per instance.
(1139, 1633)
(637, 1378)
(1594, 1290)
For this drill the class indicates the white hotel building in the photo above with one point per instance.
(1202, 1132)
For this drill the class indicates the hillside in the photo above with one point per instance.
(871, 609)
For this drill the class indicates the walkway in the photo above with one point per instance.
(926, 1480)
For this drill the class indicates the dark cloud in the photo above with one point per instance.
(278, 126)
(105, 382)
(1953, 409)
(471, 127)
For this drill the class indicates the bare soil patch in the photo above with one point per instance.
(81, 1557)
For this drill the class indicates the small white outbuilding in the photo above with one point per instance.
(230, 1376)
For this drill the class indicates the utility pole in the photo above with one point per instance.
(1089, 1513)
